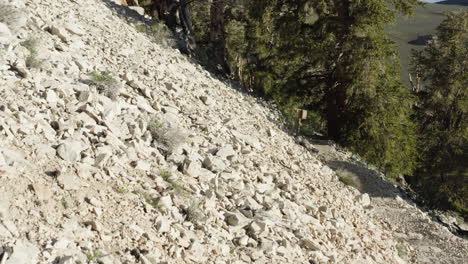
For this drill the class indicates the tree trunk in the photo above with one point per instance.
(217, 34)
(336, 101)
(171, 16)
(186, 22)
(338, 81)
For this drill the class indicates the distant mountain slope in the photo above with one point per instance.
(413, 33)
(454, 2)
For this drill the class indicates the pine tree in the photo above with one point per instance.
(442, 114)
(334, 57)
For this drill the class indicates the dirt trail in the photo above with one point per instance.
(422, 239)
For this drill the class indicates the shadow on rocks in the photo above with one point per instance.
(366, 180)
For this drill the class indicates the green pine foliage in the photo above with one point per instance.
(335, 59)
(442, 115)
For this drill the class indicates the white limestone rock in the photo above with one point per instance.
(23, 253)
(226, 152)
(138, 9)
(214, 164)
(69, 181)
(363, 200)
(163, 224)
(236, 218)
(5, 34)
(60, 32)
(75, 29)
(42, 191)
(206, 100)
(70, 151)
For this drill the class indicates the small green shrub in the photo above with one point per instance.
(179, 189)
(101, 77)
(348, 181)
(106, 84)
(149, 199)
(176, 186)
(64, 203)
(31, 45)
(165, 174)
(93, 255)
(120, 190)
(140, 28)
(169, 137)
(349, 178)
(194, 213)
(154, 126)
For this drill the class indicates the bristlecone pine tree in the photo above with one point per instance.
(442, 114)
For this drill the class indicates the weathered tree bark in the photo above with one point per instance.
(336, 101)
(217, 34)
(162, 10)
(133, 3)
(186, 23)
(175, 13)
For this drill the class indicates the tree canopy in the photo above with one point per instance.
(442, 114)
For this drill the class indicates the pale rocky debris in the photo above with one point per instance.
(13, 17)
(5, 34)
(23, 253)
(363, 199)
(81, 174)
(60, 32)
(70, 150)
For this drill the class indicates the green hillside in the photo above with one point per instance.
(412, 33)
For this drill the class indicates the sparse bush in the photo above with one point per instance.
(100, 77)
(93, 255)
(175, 185)
(64, 203)
(106, 84)
(194, 213)
(140, 28)
(179, 189)
(165, 174)
(121, 190)
(169, 137)
(149, 199)
(31, 45)
(347, 180)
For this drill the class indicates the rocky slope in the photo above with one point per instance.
(157, 161)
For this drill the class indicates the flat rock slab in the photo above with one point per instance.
(70, 151)
(23, 253)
